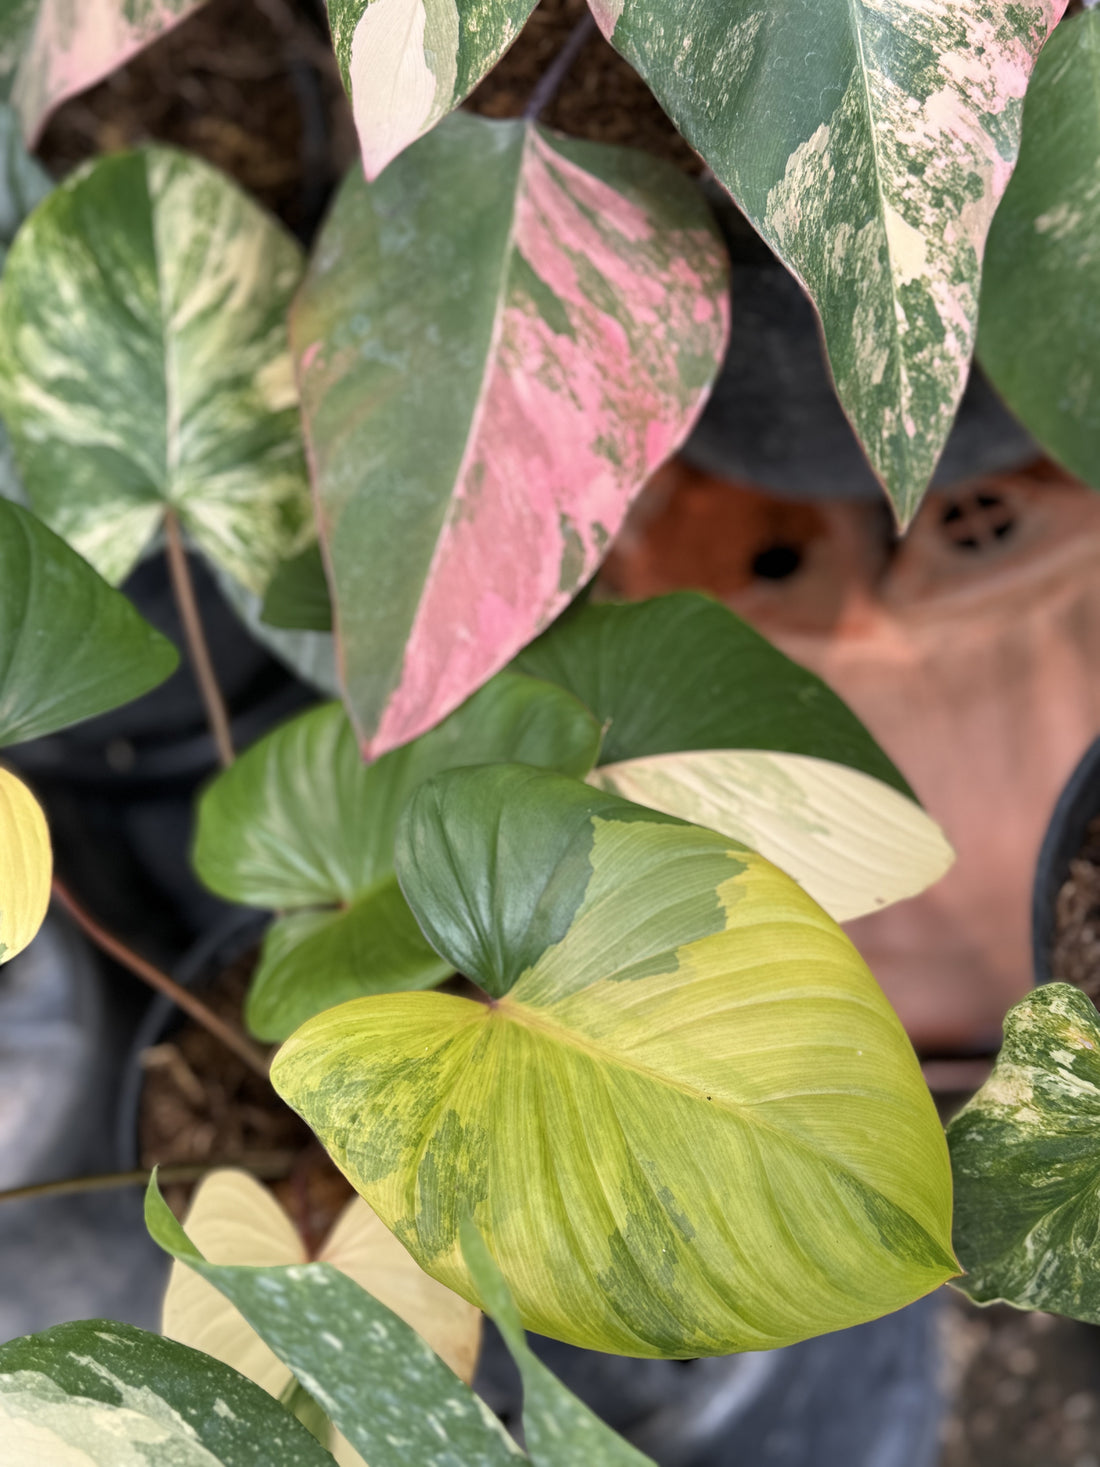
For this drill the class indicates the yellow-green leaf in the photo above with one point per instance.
(26, 866)
(687, 1122)
(852, 842)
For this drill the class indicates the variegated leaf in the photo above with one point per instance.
(1040, 324)
(1026, 1158)
(407, 63)
(144, 365)
(853, 843)
(26, 866)
(869, 142)
(497, 342)
(52, 49)
(686, 1123)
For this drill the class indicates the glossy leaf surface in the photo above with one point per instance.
(26, 866)
(52, 49)
(559, 1430)
(688, 1124)
(301, 825)
(70, 646)
(496, 342)
(869, 144)
(683, 672)
(99, 1394)
(1026, 1158)
(373, 1376)
(853, 843)
(1040, 321)
(144, 365)
(407, 63)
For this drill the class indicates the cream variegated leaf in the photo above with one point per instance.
(1025, 1153)
(869, 142)
(407, 63)
(52, 49)
(144, 366)
(687, 1123)
(852, 842)
(26, 866)
(234, 1220)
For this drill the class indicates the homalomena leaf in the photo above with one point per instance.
(869, 145)
(854, 843)
(301, 825)
(374, 1377)
(684, 672)
(26, 866)
(144, 365)
(1040, 320)
(109, 1395)
(52, 49)
(560, 1431)
(688, 1123)
(1026, 1157)
(497, 342)
(407, 63)
(70, 646)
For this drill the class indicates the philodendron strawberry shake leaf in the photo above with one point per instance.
(686, 1121)
(496, 343)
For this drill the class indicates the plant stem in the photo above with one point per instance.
(230, 1037)
(271, 1166)
(197, 650)
(551, 81)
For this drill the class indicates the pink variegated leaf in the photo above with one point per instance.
(869, 142)
(497, 343)
(52, 49)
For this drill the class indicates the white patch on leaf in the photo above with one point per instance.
(404, 63)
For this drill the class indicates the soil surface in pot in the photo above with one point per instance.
(1076, 954)
(201, 1105)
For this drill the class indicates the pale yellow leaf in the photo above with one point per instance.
(26, 865)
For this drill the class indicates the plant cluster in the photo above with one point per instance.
(671, 1114)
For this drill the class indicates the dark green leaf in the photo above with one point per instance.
(298, 596)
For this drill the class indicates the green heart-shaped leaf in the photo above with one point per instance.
(684, 672)
(1040, 319)
(70, 646)
(497, 343)
(103, 1394)
(301, 825)
(869, 145)
(687, 1123)
(1026, 1157)
(144, 366)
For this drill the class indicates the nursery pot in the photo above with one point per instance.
(1077, 806)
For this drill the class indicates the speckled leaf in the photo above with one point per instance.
(687, 1124)
(373, 1376)
(869, 142)
(497, 342)
(144, 365)
(301, 825)
(1026, 1158)
(70, 646)
(559, 1430)
(26, 866)
(1040, 321)
(52, 49)
(855, 844)
(683, 672)
(99, 1394)
(407, 63)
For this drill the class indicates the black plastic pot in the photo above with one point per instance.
(774, 420)
(1078, 805)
